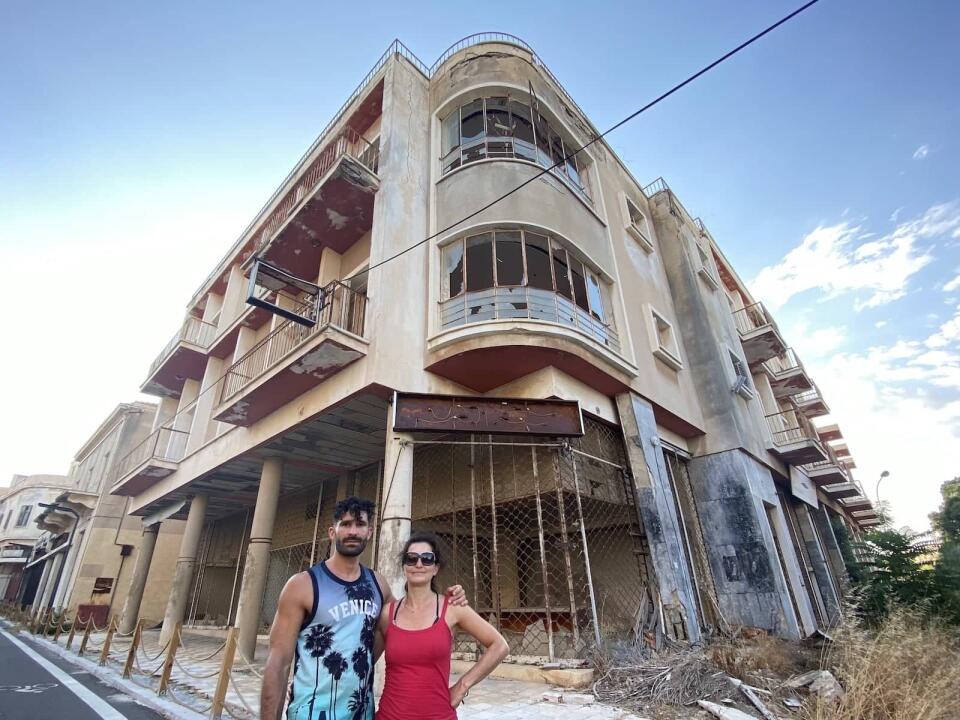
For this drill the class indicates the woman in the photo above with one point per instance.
(418, 634)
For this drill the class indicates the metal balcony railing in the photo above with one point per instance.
(784, 362)
(347, 143)
(831, 461)
(809, 396)
(335, 306)
(194, 331)
(790, 426)
(750, 318)
(165, 444)
(525, 303)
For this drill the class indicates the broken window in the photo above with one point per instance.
(504, 127)
(741, 384)
(509, 258)
(561, 271)
(479, 262)
(538, 261)
(453, 269)
(102, 585)
(24, 517)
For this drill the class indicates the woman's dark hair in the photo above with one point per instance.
(430, 539)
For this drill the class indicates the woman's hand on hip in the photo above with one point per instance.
(458, 691)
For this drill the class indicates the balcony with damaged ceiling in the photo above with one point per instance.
(153, 459)
(787, 375)
(829, 471)
(794, 439)
(811, 403)
(316, 332)
(184, 357)
(759, 334)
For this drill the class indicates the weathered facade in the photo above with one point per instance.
(19, 507)
(700, 496)
(98, 544)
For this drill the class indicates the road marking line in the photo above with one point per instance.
(97, 704)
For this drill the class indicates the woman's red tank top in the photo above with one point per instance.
(417, 685)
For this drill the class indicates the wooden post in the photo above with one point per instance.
(105, 652)
(223, 681)
(73, 631)
(168, 662)
(134, 644)
(86, 634)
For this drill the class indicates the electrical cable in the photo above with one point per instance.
(704, 70)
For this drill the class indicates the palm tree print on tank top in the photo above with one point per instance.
(333, 676)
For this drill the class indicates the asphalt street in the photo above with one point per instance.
(31, 691)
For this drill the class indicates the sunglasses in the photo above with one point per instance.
(428, 559)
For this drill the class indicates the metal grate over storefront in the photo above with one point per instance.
(543, 535)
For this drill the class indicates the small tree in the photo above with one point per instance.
(892, 572)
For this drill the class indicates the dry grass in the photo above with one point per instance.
(761, 659)
(907, 670)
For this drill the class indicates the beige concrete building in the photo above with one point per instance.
(20, 503)
(571, 386)
(102, 544)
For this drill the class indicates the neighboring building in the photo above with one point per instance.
(334, 350)
(19, 507)
(102, 543)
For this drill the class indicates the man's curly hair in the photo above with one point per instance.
(354, 506)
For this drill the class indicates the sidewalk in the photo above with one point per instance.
(196, 670)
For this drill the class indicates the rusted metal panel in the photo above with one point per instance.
(514, 416)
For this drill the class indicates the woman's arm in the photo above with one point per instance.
(495, 650)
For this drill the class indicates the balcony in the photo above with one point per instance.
(811, 403)
(759, 334)
(827, 472)
(331, 205)
(829, 433)
(185, 356)
(843, 490)
(787, 376)
(152, 460)
(860, 506)
(294, 358)
(525, 303)
(794, 439)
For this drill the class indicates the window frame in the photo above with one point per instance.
(537, 120)
(737, 363)
(670, 356)
(602, 314)
(705, 268)
(25, 512)
(641, 235)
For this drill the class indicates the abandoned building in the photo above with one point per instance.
(87, 548)
(573, 387)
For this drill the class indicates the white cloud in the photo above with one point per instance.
(921, 152)
(952, 285)
(880, 323)
(835, 260)
(895, 214)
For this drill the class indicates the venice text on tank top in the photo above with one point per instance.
(333, 670)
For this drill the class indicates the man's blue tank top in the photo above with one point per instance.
(333, 671)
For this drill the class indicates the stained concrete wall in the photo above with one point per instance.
(730, 490)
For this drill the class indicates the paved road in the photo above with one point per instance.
(29, 690)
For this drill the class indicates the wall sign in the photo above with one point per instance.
(413, 412)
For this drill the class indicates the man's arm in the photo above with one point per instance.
(295, 602)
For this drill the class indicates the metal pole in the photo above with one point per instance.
(543, 557)
(586, 555)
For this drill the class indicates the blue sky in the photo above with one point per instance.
(139, 139)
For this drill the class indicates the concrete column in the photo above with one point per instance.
(42, 586)
(53, 580)
(186, 562)
(658, 511)
(131, 606)
(258, 556)
(66, 586)
(397, 503)
(818, 561)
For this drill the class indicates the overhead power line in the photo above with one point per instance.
(703, 71)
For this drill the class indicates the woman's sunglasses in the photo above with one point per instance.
(428, 559)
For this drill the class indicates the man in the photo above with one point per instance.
(327, 619)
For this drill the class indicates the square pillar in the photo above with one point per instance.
(258, 556)
(658, 512)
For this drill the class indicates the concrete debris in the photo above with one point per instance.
(821, 683)
(793, 702)
(753, 698)
(568, 698)
(724, 713)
